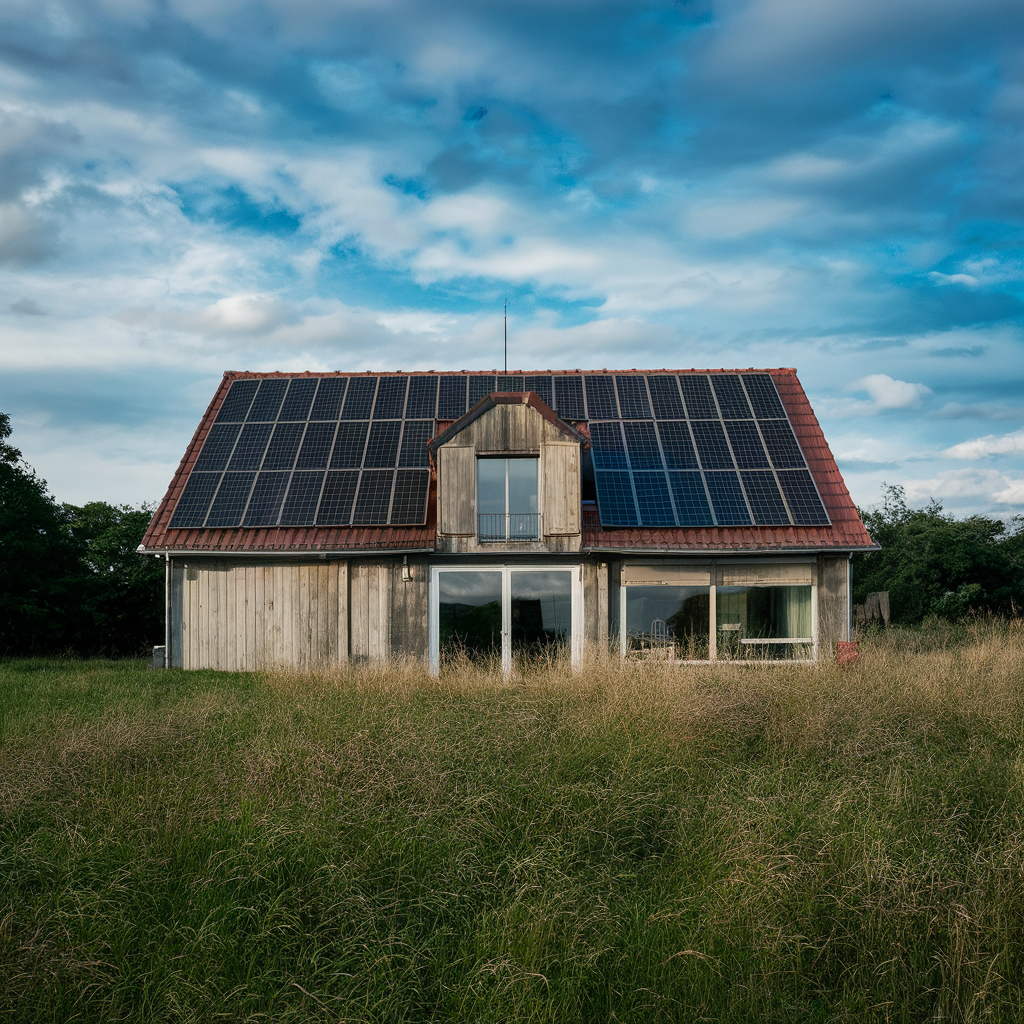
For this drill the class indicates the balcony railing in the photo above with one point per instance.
(498, 527)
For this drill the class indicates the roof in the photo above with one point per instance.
(845, 532)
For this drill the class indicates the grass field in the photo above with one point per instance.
(628, 844)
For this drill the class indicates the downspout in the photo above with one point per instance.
(167, 609)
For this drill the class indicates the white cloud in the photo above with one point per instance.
(884, 393)
(988, 484)
(990, 444)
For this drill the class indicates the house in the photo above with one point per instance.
(686, 515)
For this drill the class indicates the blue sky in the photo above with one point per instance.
(190, 186)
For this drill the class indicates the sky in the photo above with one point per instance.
(194, 186)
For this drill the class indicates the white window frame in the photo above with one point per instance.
(575, 616)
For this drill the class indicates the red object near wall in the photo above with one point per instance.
(847, 653)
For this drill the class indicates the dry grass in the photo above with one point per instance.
(639, 842)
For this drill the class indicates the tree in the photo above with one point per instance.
(934, 564)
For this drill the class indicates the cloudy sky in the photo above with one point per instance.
(190, 186)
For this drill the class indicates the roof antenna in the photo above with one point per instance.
(506, 335)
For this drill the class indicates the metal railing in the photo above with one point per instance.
(496, 527)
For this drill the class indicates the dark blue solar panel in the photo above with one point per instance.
(746, 444)
(283, 446)
(606, 446)
(422, 403)
(303, 497)
(451, 403)
(700, 403)
(653, 500)
(373, 499)
(316, 446)
(781, 444)
(336, 501)
(711, 446)
(217, 447)
(601, 404)
(359, 398)
(250, 446)
(480, 385)
(390, 404)
(414, 443)
(691, 502)
(541, 387)
(268, 400)
(195, 500)
(802, 497)
(382, 444)
(236, 405)
(329, 397)
(677, 445)
(727, 499)
(409, 504)
(615, 499)
(299, 399)
(731, 399)
(632, 393)
(509, 382)
(265, 501)
(229, 503)
(641, 445)
(763, 396)
(349, 446)
(765, 501)
(569, 398)
(665, 397)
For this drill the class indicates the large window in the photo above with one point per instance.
(764, 622)
(673, 621)
(506, 499)
(511, 613)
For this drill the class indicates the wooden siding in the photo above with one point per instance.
(248, 617)
(560, 490)
(370, 599)
(833, 603)
(410, 610)
(456, 490)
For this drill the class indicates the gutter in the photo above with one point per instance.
(735, 552)
(297, 553)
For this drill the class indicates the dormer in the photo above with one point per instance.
(508, 478)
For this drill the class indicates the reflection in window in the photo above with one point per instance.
(671, 621)
(764, 622)
(506, 497)
(469, 614)
(541, 611)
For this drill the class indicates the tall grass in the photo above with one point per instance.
(632, 843)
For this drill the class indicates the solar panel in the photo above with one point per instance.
(765, 500)
(268, 400)
(451, 403)
(390, 404)
(329, 397)
(236, 405)
(299, 399)
(746, 444)
(303, 497)
(569, 398)
(250, 446)
(414, 443)
(422, 402)
(316, 446)
(265, 501)
(652, 499)
(606, 446)
(642, 446)
(802, 498)
(349, 445)
(692, 505)
(711, 447)
(731, 399)
(632, 392)
(601, 404)
(677, 445)
(509, 382)
(217, 447)
(665, 398)
(373, 499)
(480, 386)
(283, 446)
(763, 396)
(727, 499)
(700, 403)
(409, 504)
(336, 501)
(541, 387)
(615, 503)
(195, 500)
(382, 444)
(229, 502)
(781, 443)
(359, 398)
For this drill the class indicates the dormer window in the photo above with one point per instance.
(507, 499)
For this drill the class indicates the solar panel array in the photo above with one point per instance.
(668, 449)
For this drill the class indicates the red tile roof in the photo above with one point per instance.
(846, 533)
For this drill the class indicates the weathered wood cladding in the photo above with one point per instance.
(833, 603)
(252, 615)
(512, 430)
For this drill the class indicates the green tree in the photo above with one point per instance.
(934, 564)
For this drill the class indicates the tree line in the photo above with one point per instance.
(71, 581)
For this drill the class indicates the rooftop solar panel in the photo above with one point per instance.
(284, 446)
(250, 446)
(194, 502)
(509, 382)
(409, 504)
(764, 498)
(373, 499)
(303, 498)
(615, 503)
(220, 442)
(802, 497)
(390, 403)
(711, 445)
(359, 398)
(653, 501)
(316, 446)
(731, 399)
(601, 404)
(541, 387)
(746, 444)
(299, 399)
(422, 402)
(632, 392)
(349, 445)
(329, 397)
(480, 386)
(569, 398)
(236, 405)
(230, 500)
(677, 445)
(265, 501)
(665, 398)
(267, 403)
(781, 443)
(606, 446)
(763, 396)
(700, 403)
(336, 500)
(382, 444)
(691, 499)
(727, 499)
(415, 437)
(642, 446)
(451, 403)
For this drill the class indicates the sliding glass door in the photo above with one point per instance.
(508, 612)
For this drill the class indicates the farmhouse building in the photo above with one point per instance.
(686, 515)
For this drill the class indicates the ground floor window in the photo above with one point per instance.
(734, 623)
(506, 612)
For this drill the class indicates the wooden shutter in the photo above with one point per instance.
(560, 472)
(456, 488)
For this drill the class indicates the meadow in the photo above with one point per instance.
(633, 843)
